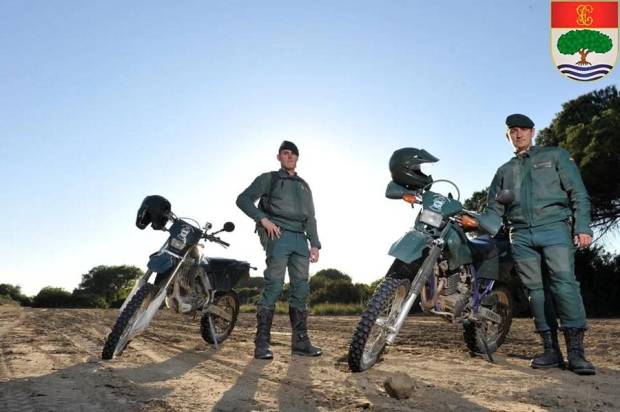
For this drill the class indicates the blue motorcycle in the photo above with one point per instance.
(186, 280)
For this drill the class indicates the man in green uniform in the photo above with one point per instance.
(285, 224)
(549, 217)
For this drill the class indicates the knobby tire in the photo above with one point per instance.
(123, 319)
(376, 305)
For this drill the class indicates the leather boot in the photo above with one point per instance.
(577, 361)
(552, 356)
(264, 317)
(300, 342)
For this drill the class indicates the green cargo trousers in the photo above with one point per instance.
(551, 244)
(289, 251)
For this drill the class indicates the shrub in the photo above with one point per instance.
(15, 293)
(50, 297)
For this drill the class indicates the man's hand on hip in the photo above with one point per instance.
(273, 231)
(314, 254)
(582, 240)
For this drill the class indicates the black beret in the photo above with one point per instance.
(286, 145)
(519, 120)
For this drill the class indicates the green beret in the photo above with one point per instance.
(519, 120)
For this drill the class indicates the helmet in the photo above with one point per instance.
(155, 210)
(405, 167)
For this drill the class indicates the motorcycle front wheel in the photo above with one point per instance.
(118, 338)
(227, 303)
(369, 338)
(485, 336)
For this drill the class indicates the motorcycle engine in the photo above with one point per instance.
(186, 294)
(454, 295)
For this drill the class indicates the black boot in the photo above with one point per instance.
(300, 342)
(264, 317)
(577, 361)
(552, 356)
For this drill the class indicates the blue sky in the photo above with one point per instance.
(104, 103)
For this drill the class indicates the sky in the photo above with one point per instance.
(104, 103)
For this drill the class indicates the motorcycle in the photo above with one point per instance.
(456, 278)
(186, 280)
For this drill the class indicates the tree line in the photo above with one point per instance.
(108, 286)
(102, 287)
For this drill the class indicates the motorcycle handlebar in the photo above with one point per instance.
(216, 239)
(221, 242)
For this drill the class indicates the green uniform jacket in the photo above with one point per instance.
(547, 186)
(291, 204)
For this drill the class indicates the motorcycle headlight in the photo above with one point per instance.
(431, 218)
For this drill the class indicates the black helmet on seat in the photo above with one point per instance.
(405, 167)
(155, 210)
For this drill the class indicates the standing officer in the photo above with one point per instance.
(285, 223)
(548, 218)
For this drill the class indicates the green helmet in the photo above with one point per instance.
(405, 167)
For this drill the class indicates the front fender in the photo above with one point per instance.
(160, 262)
(410, 247)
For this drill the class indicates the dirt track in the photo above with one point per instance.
(49, 360)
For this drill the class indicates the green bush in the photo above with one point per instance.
(50, 297)
(338, 291)
(7, 300)
(15, 293)
(248, 295)
(105, 286)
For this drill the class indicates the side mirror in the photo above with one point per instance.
(229, 227)
(505, 197)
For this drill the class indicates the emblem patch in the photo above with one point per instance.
(584, 38)
(438, 202)
(542, 164)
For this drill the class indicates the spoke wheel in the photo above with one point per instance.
(228, 302)
(476, 334)
(369, 338)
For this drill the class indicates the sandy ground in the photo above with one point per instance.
(49, 360)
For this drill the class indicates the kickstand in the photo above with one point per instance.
(486, 353)
(212, 330)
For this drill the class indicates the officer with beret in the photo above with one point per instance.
(286, 225)
(549, 217)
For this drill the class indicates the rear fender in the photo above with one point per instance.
(410, 247)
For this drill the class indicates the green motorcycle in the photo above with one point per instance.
(456, 278)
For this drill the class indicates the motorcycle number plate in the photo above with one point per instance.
(489, 315)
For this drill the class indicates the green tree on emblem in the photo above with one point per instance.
(584, 42)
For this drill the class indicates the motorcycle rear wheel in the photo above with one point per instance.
(477, 334)
(229, 302)
(369, 338)
(118, 339)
